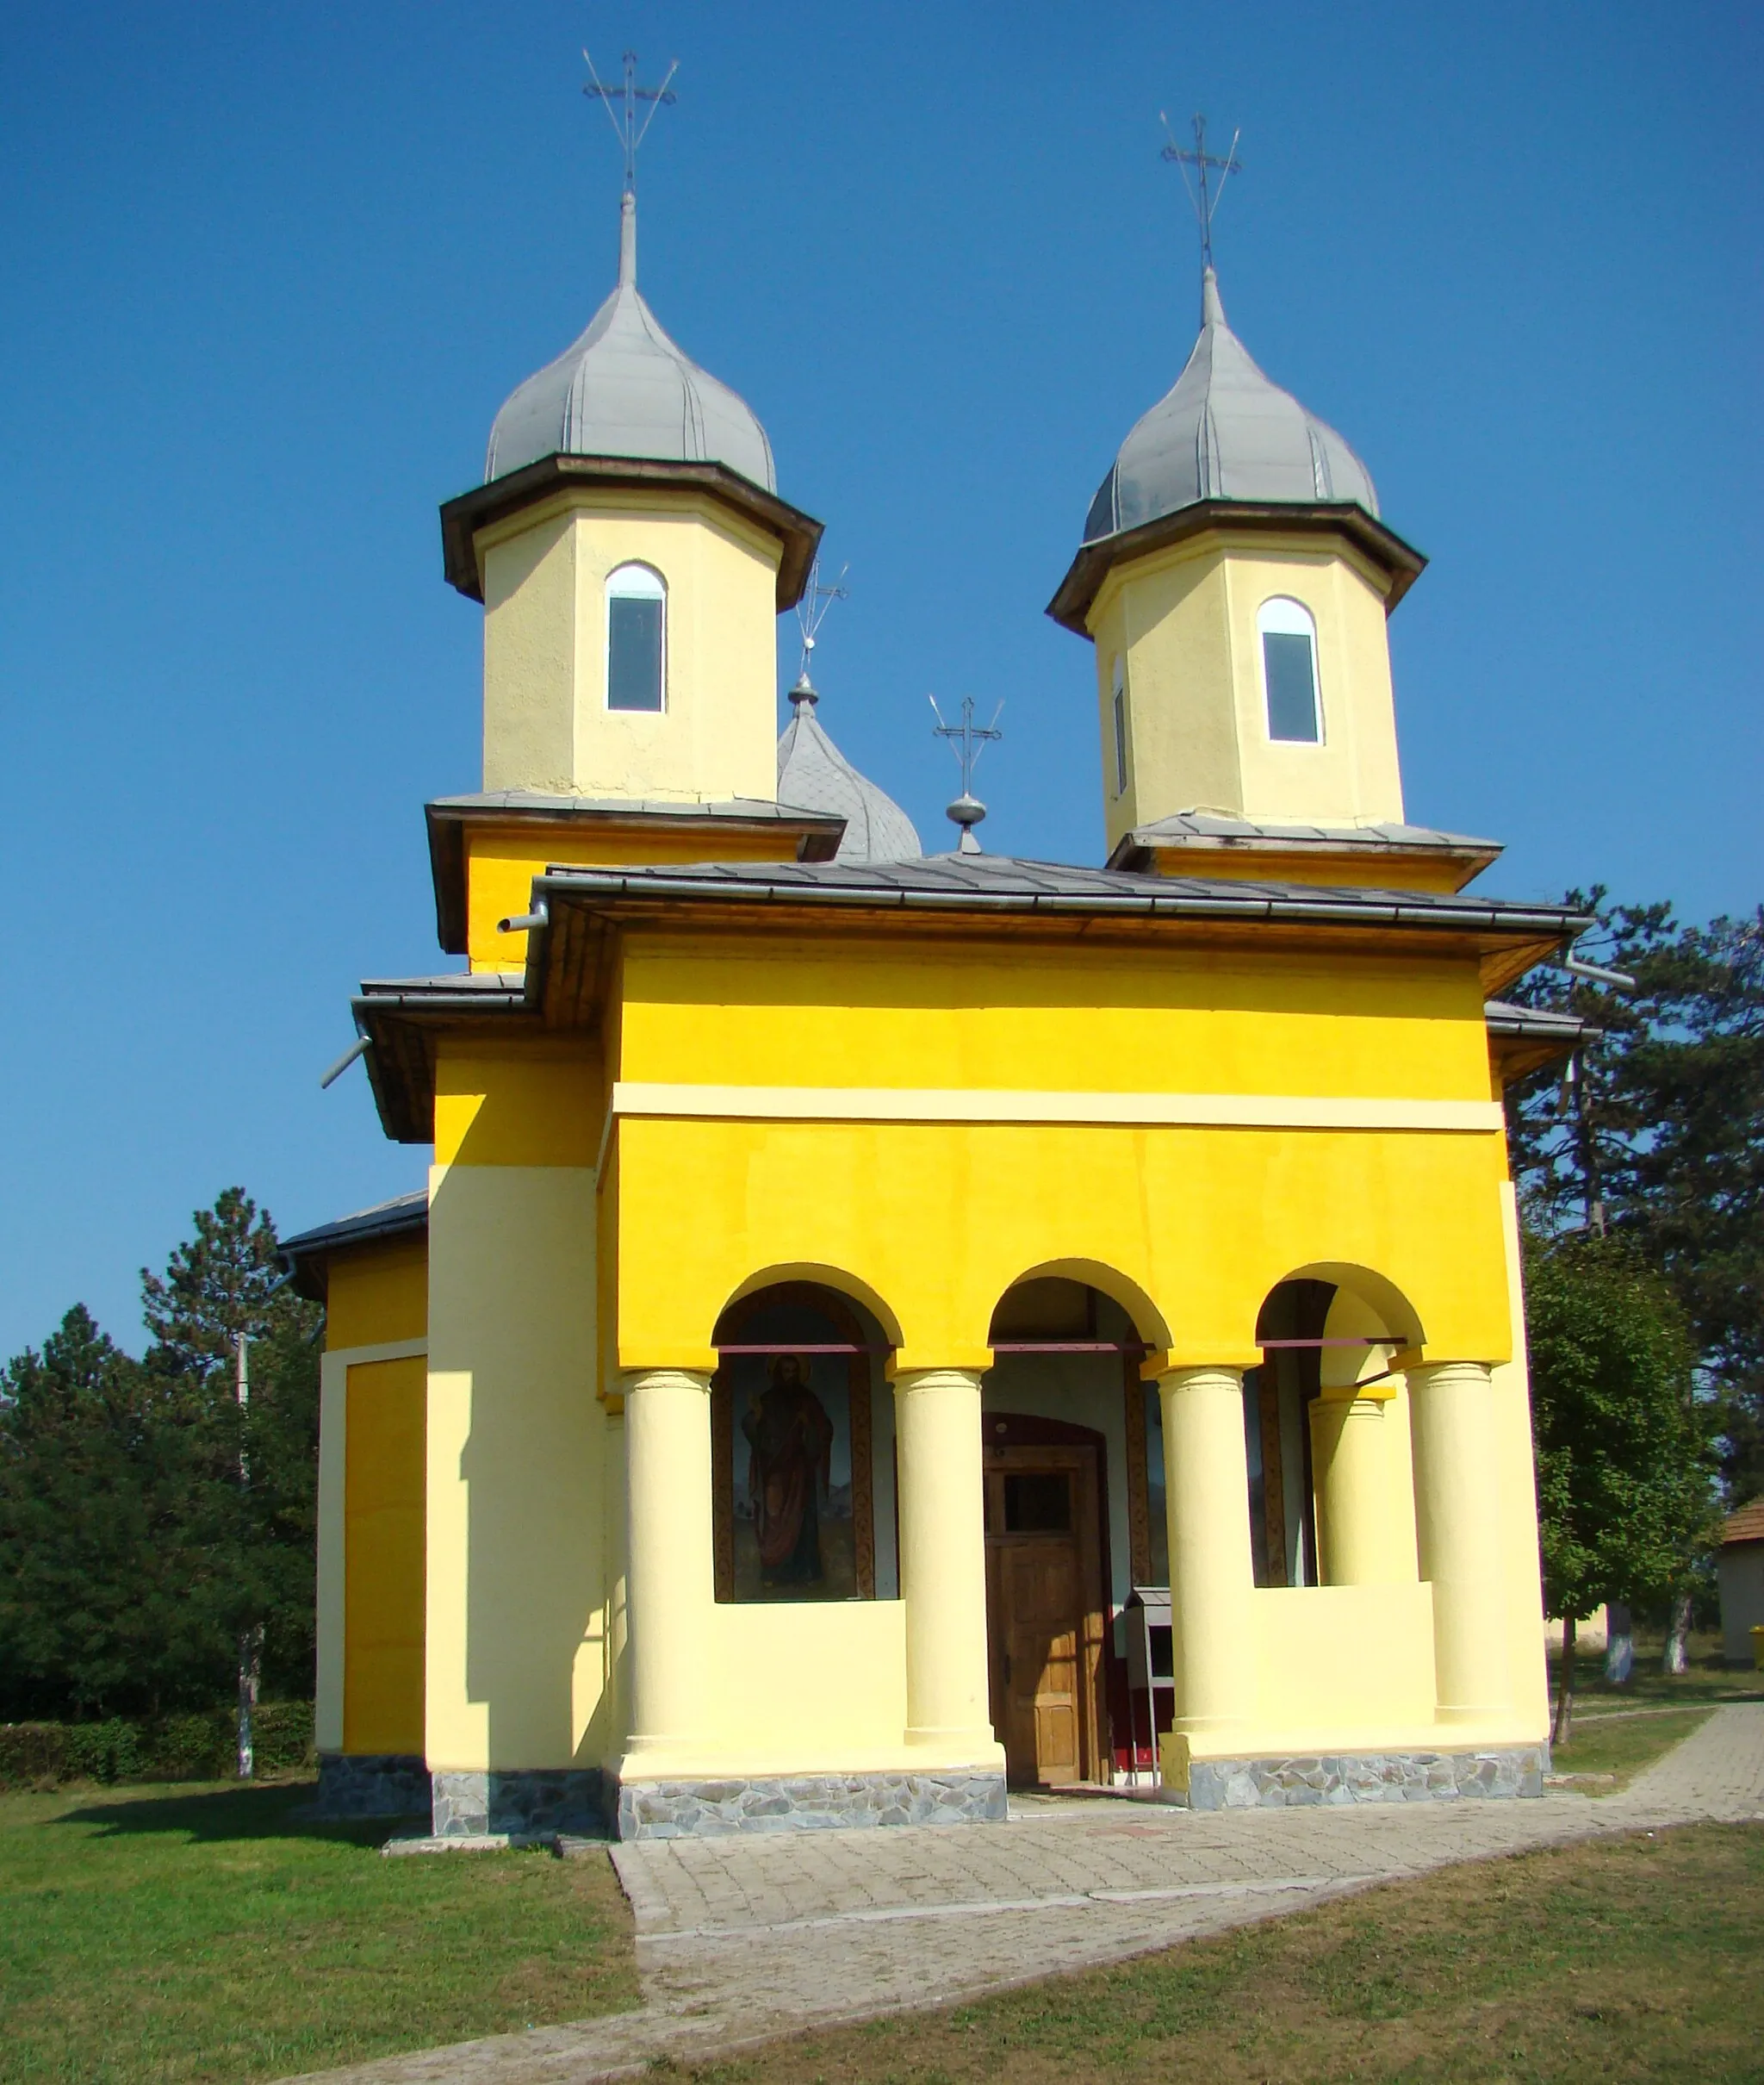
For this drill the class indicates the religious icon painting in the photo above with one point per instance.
(790, 1450)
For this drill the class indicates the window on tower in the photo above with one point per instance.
(637, 638)
(1290, 671)
(1119, 714)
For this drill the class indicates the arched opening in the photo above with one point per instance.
(1325, 1431)
(1065, 1510)
(637, 638)
(802, 1448)
(1289, 645)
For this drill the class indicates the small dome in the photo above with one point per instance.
(813, 775)
(625, 389)
(1225, 432)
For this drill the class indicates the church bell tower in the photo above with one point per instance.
(1235, 580)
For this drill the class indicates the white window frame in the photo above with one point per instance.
(634, 580)
(1282, 616)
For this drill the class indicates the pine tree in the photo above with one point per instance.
(95, 1575)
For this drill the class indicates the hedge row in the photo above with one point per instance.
(168, 1748)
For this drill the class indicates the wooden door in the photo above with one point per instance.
(1044, 1615)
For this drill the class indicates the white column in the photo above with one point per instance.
(1207, 1498)
(670, 1587)
(943, 1563)
(1457, 1527)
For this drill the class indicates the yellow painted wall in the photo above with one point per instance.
(383, 1557)
(772, 1010)
(1202, 1222)
(538, 1106)
(501, 863)
(546, 724)
(1185, 621)
(377, 1293)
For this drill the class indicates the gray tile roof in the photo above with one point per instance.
(988, 882)
(1182, 826)
(531, 802)
(404, 1214)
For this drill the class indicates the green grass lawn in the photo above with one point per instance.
(205, 1933)
(1623, 1744)
(1710, 1678)
(1630, 1960)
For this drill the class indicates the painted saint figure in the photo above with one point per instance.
(789, 1438)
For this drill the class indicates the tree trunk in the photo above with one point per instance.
(1620, 1643)
(1564, 1686)
(1677, 1658)
(250, 1653)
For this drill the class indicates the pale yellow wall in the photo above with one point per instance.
(1519, 1496)
(383, 1557)
(501, 863)
(516, 1583)
(377, 1293)
(546, 724)
(1185, 621)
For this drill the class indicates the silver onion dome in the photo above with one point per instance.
(1224, 432)
(625, 388)
(813, 775)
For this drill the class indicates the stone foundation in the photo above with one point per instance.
(537, 1802)
(680, 1810)
(372, 1784)
(1340, 1777)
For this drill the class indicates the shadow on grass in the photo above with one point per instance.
(211, 1815)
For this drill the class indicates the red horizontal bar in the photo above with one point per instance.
(806, 1347)
(1383, 1338)
(1069, 1346)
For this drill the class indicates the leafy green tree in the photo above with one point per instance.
(1624, 1466)
(1666, 1135)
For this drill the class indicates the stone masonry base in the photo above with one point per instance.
(522, 1804)
(372, 1784)
(680, 1810)
(1340, 1778)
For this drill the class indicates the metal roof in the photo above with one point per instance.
(811, 771)
(405, 1215)
(625, 388)
(1224, 432)
(1210, 830)
(818, 833)
(995, 882)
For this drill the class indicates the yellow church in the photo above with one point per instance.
(886, 1326)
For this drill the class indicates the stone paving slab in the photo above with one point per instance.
(742, 1939)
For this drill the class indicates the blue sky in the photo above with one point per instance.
(269, 272)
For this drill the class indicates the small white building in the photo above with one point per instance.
(1740, 1571)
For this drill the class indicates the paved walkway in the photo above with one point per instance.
(743, 1939)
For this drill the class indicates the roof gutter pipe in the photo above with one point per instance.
(1619, 980)
(525, 923)
(358, 1048)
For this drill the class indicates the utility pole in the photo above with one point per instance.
(251, 1639)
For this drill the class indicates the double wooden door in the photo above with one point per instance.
(1045, 1616)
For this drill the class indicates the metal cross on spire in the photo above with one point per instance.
(631, 134)
(1207, 202)
(810, 611)
(967, 741)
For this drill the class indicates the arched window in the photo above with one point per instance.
(1290, 671)
(636, 637)
(1120, 715)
